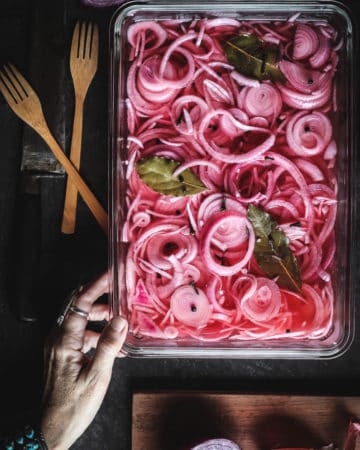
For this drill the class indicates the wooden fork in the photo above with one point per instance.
(83, 65)
(25, 103)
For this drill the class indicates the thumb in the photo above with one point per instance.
(110, 343)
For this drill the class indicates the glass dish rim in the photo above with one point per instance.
(214, 352)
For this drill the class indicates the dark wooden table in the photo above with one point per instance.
(67, 261)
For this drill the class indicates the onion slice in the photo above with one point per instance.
(190, 306)
(306, 42)
(265, 303)
(226, 221)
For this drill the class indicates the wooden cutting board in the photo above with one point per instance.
(177, 420)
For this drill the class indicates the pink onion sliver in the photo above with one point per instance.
(273, 204)
(339, 45)
(273, 32)
(180, 102)
(310, 169)
(302, 79)
(264, 101)
(212, 290)
(321, 56)
(136, 141)
(146, 128)
(138, 101)
(313, 262)
(193, 48)
(231, 157)
(214, 203)
(306, 42)
(148, 74)
(302, 101)
(141, 219)
(258, 121)
(308, 134)
(331, 150)
(201, 33)
(205, 68)
(130, 166)
(153, 229)
(150, 268)
(141, 49)
(188, 121)
(217, 92)
(322, 315)
(185, 249)
(131, 117)
(328, 226)
(181, 82)
(265, 303)
(171, 332)
(271, 39)
(209, 230)
(194, 163)
(171, 143)
(243, 80)
(164, 291)
(222, 22)
(300, 180)
(294, 17)
(175, 46)
(146, 26)
(148, 327)
(190, 306)
(222, 65)
(241, 294)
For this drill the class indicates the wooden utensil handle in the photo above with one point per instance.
(69, 214)
(89, 198)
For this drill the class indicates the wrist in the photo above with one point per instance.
(53, 442)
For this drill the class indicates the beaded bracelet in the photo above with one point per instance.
(29, 439)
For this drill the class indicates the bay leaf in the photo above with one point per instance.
(252, 57)
(157, 173)
(272, 251)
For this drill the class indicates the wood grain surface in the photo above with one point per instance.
(176, 421)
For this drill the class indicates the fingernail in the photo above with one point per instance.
(118, 323)
(121, 354)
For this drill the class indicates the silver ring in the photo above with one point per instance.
(79, 311)
(67, 305)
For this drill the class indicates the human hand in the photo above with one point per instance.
(75, 385)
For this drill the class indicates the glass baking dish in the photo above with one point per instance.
(160, 336)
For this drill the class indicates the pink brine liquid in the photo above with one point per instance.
(190, 266)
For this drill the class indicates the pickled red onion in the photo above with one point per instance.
(249, 142)
(308, 134)
(153, 27)
(190, 306)
(306, 42)
(265, 303)
(264, 101)
(223, 222)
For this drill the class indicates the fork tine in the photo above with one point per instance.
(88, 43)
(11, 89)
(82, 41)
(13, 82)
(6, 92)
(25, 86)
(95, 42)
(75, 40)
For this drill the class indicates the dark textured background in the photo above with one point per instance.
(67, 261)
